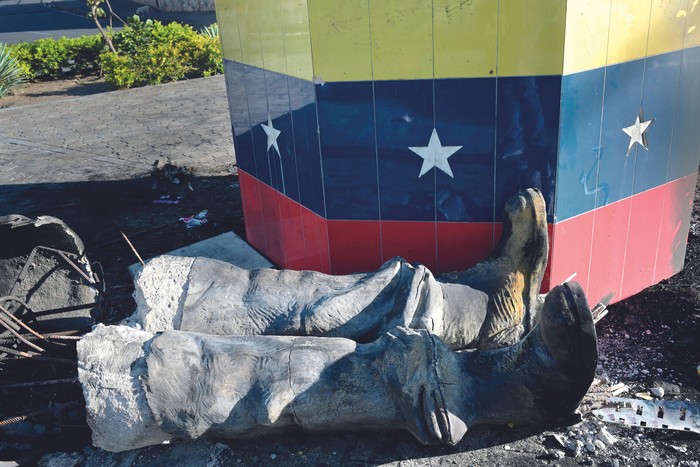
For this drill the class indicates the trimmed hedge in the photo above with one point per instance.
(149, 52)
(59, 58)
(153, 53)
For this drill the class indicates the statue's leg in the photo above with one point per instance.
(511, 276)
(213, 297)
(189, 385)
(486, 307)
(186, 385)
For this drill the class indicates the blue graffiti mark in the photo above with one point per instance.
(585, 176)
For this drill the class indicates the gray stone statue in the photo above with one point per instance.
(490, 305)
(142, 389)
(228, 353)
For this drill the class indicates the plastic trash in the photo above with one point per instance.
(195, 221)
(166, 200)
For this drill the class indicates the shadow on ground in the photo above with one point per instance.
(99, 211)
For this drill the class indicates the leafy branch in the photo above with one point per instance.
(96, 12)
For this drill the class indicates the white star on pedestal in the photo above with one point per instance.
(272, 135)
(435, 155)
(636, 132)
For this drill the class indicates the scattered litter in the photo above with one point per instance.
(196, 220)
(644, 395)
(599, 312)
(665, 414)
(658, 392)
(165, 199)
(166, 172)
(619, 388)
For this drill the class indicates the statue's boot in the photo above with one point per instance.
(512, 275)
(542, 378)
(142, 389)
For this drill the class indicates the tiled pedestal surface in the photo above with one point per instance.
(367, 129)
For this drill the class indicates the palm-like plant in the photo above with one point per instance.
(11, 75)
(211, 31)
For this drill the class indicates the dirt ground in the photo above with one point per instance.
(44, 91)
(648, 341)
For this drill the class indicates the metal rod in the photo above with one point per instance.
(53, 336)
(18, 336)
(63, 338)
(21, 302)
(18, 321)
(9, 421)
(133, 249)
(18, 353)
(64, 309)
(38, 383)
(75, 266)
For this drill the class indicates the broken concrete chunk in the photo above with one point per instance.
(111, 363)
(560, 440)
(45, 277)
(606, 437)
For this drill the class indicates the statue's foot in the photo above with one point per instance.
(543, 377)
(512, 275)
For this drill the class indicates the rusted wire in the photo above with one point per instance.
(17, 353)
(52, 336)
(10, 421)
(18, 336)
(27, 308)
(18, 321)
(63, 338)
(75, 266)
(133, 249)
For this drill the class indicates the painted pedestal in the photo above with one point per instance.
(367, 129)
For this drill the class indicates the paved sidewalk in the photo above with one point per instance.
(117, 135)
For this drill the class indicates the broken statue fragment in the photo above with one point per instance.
(143, 389)
(490, 305)
(45, 277)
(361, 352)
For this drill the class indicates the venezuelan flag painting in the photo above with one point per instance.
(368, 129)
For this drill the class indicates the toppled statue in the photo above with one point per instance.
(490, 305)
(379, 351)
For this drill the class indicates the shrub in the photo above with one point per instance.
(149, 52)
(153, 53)
(11, 73)
(59, 58)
